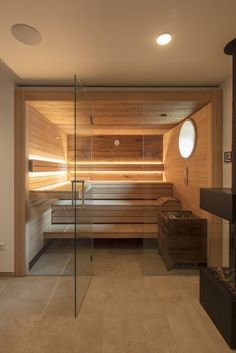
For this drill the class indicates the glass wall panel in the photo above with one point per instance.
(82, 191)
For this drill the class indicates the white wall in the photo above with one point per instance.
(6, 168)
(227, 141)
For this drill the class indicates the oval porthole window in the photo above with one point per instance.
(187, 139)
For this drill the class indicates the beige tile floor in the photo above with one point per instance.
(123, 312)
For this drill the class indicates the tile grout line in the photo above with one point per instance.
(56, 286)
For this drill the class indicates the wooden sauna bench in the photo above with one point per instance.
(61, 191)
(117, 210)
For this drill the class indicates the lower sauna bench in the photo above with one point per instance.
(64, 231)
(110, 218)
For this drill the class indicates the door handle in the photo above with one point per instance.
(74, 182)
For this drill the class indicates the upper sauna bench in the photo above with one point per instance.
(61, 191)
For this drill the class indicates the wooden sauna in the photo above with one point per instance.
(126, 154)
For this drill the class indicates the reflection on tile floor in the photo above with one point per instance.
(124, 311)
(109, 257)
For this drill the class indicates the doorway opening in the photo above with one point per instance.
(104, 179)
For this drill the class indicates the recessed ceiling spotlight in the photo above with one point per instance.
(164, 39)
(26, 34)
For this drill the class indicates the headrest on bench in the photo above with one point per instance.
(167, 200)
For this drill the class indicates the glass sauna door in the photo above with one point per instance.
(81, 179)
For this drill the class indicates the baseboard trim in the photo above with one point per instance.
(39, 254)
(7, 274)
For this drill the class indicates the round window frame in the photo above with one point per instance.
(195, 138)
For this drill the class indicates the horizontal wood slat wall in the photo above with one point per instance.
(102, 148)
(115, 176)
(46, 166)
(44, 140)
(36, 182)
(83, 146)
(135, 149)
(198, 165)
(120, 167)
(199, 174)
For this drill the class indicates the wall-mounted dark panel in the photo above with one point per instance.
(220, 202)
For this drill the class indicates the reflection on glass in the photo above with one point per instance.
(187, 139)
(82, 199)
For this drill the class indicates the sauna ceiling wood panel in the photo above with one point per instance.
(125, 118)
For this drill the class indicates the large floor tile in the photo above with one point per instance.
(123, 311)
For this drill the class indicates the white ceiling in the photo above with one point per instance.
(112, 42)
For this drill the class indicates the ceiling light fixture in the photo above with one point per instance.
(164, 39)
(26, 34)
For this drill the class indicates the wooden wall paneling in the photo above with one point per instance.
(215, 243)
(131, 149)
(41, 181)
(117, 176)
(45, 140)
(204, 170)
(83, 146)
(61, 113)
(119, 167)
(29, 139)
(216, 136)
(46, 166)
(153, 148)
